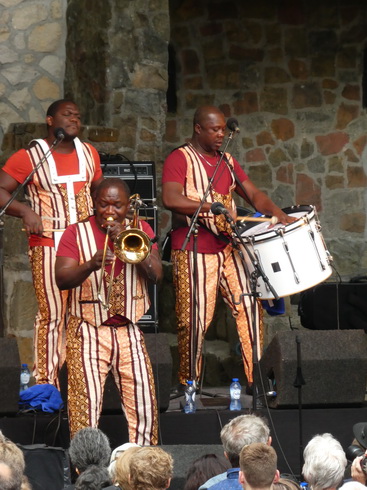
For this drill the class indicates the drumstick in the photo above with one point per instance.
(51, 231)
(273, 220)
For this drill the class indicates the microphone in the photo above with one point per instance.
(232, 125)
(218, 208)
(59, 134)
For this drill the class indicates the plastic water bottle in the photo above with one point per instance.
(235, 392)
(190, 393)
(25, 376)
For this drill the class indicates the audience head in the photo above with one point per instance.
(204, 468)
(122, 467)
(286, 484)
(324, 462)
(258, 466)
(93, 478)
(352, 485)
(88, 447)
(116, 453)
(242, 431)
(12, 465)
(151, 468)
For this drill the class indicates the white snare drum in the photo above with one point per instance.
(294, 257)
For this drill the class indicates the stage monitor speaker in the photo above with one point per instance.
(333, 364)
(140, 177)
(9, 375)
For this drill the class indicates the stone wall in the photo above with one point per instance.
(118, 70)
(32, 53)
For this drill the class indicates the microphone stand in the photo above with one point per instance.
(28, 178)
(2, 212)
(257, 272)
(194, 230)
(298, 383)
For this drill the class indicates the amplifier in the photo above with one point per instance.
(140, 177)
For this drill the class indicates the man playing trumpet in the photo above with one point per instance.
(101, 339)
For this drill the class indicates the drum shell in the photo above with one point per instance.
(294, 257)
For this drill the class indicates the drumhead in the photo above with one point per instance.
(265, 230)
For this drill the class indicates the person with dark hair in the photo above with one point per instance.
(187, 173)
(204, 468)
(89, 453)
(59, 193)
(102, 334)
(93, 478)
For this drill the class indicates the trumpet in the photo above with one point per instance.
(131, 246)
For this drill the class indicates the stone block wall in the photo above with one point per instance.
(32, 53)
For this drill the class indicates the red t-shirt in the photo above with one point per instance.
(68, 244)
(174, 170)
(19, 166)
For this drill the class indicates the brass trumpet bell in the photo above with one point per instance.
(132, 246)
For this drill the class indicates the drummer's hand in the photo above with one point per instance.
(284, 218)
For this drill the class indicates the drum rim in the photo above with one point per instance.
(266, 235)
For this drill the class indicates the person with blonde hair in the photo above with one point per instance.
(151, 468)
(121, 477)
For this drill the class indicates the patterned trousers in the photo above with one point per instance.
(90, 354)
(225, 272)
(49, 327)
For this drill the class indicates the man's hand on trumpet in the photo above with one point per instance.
(97, 259)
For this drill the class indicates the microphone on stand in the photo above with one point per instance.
(218, 208)
(59, 134)
(232, 125)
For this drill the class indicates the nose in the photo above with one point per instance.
(110, 211)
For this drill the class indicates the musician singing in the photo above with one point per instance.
(59, 193)
(186, 174)
(101, 339)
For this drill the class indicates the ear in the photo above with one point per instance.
(168, 482)
(276, 477)
(197, 128)
(270, 440)
(49, 120)
(241, 478)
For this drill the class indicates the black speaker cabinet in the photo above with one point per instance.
(9, 375)
(333, 364)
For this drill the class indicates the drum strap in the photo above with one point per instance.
(238, 181)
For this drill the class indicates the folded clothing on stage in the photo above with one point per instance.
(43, 397)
